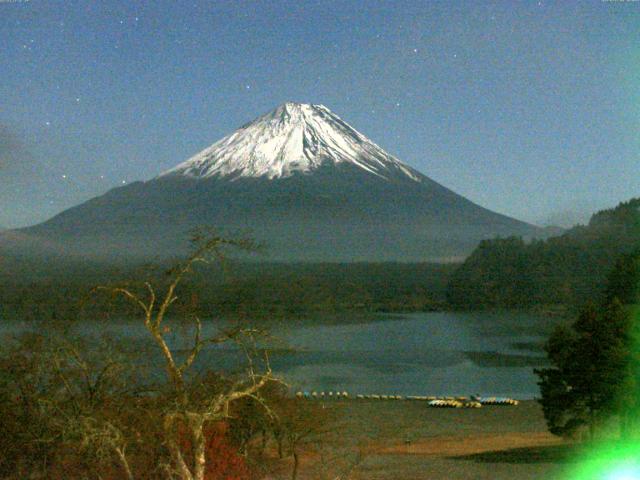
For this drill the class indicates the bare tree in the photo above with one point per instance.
(188, 412)
(62, 394)
(301, 424)
(105, 440)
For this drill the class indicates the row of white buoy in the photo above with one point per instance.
(438, 402)
(380, 397)
(497, 401)
(322, 394)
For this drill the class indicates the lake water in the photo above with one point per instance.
(440, 353)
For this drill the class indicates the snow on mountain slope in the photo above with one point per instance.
(304, 183)
(292, 138)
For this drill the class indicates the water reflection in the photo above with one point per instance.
(416, 354)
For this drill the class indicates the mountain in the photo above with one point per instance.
(294, 138)
(569, 269)
(300, 179)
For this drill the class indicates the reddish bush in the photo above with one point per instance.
(223, 460)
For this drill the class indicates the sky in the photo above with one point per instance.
(531, 109)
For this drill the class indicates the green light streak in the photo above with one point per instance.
(615, 459)
(611, 461)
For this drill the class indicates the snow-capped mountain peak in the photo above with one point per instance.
(292, 138)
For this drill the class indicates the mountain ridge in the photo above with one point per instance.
(336, 197)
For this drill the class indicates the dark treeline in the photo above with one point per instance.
(255, 290)
(565, 270)
(507, 273)
(594, 370)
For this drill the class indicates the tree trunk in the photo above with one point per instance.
(174, 449)
(199, 458)
(280, 450)
(125, 464)
(296, 463)
(622, 423)
(264, 440)
(592, 419)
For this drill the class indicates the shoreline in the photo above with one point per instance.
(410, 440)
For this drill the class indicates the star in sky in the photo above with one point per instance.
(414, 44)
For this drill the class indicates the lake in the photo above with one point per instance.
(433, 353)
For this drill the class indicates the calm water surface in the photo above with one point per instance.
(420, 354)
(415, 354)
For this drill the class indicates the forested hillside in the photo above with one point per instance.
(251, 290)
(568, 269)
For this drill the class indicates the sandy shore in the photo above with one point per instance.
(408, 440)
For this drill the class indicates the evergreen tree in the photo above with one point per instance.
(624, 280)
(569, 269)
(590, 373)
(624, 283)
(594, 373)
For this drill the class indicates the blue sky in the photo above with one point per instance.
(529, 108)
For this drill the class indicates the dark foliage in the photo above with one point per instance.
(569, 269)
(259, 290)
(594, 369)
(65, 405)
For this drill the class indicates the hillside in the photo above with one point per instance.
(568, 269)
